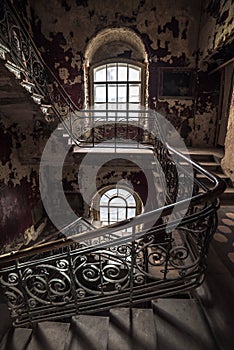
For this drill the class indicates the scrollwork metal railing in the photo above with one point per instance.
(23, 56)
(101, 268)
(92, 269)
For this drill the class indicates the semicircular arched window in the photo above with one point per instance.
(117, 204)
(116, 85)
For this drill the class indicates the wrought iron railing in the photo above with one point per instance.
(92, 269)
(27, 60)
(100, 268)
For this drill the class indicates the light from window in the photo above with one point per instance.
(115, 205)
(115, 85)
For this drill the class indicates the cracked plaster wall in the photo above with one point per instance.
(228, 160)
(217, 27)
(170, 33)
(216, 43)
(18, 180)
(62, 29)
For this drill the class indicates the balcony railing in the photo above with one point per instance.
(92, 269)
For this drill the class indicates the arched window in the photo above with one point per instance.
(116, 85)
(116, 70)
(115, 205)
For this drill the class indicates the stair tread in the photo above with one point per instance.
(228, 190)
(208, 163)
(49, 335)
(205, 151)
(131, 329)
(16, 339)
(88, 332)
(221, 175)
(181, 325)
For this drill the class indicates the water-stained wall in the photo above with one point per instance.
(170, 33)
(217, 28)
(228, 160)
(18, 182)
(181, 34)
(168, 30)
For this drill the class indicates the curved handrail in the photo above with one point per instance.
(200, 198)
(57, 105)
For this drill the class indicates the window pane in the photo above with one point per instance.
(99, 106)
(123, 192)
(122, 93)
(111, 106)
(111, 72)
(131, 201)
(111, 192)
(100, 74)
(134, 74)
(112, 93)
(113, 214)
(122, 72)
(121, 214)
(134, 92)
(104, 200)
(103, 214)
(117, 202)
(131, 212)
(134, 107)
(100, 93)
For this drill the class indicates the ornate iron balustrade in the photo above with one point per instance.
(92, 269)
(23, 58)
(100, 268)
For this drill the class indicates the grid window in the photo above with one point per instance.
(115, 205)
(116, 84)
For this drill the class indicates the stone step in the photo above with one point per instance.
(88, 332)
(49, 336)
(15, 69)
(210, 166)
(203, 178)
(227, 198)
(203, 153)
(177, 324)
(221, 175)
(16, 339)
(181, 325)
(131, 329)
(202, 157)
(37, 98)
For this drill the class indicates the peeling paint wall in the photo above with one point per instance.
(113, 172)
(217, 27)
(18, 182)
(228, 160)
(216, 45)
(169, 32)
(62, 30)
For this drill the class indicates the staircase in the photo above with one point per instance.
(146, 268)
(177, 324)
(210, 159)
